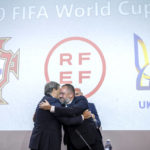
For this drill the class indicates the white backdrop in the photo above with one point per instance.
(102, 44)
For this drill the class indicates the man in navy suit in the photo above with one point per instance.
(95, 116)
(46, 134)
(92, 108)
(77, 137)
(46, 124)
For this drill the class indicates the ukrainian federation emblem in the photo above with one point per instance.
(8, 63)
(142, 65)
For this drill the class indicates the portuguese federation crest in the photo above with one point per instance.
(9, 62)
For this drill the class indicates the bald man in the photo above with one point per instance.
(95, 116)
(92, 108)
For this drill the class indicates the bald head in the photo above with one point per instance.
(78, 92)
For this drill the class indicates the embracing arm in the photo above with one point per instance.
(95, 114)
(76, 109)
(79, 105)
(75, 120)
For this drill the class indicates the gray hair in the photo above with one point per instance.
(50, 86)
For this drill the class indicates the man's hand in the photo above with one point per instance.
(34, 116)
(93, 116)
(87, 114)
(45, 105)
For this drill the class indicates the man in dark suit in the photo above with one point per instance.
(46, 134)
(77, 137)
(92, 108)
(95, 116)
(47, 130)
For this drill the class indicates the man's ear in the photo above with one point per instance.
(54, 90)
(71, 95)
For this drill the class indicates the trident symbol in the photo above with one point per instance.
(8, 63)
(144, 67)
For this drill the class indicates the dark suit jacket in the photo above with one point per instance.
(87, 129)
(93, 110)
(46, 133)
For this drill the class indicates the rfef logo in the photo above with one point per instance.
(77, 61)
(9, 62)
(142, 64)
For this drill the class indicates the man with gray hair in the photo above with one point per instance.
(47, 130)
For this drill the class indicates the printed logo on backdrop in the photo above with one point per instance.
(142, 64)
(143, 68)
(77, 61)
(9, 62)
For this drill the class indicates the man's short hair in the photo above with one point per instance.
(70, 88)
(50, 86)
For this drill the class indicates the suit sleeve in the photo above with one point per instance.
(77, 120)
(77, 108)
(94, 111)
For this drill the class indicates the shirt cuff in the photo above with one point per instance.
(52, 109)
(82, 117)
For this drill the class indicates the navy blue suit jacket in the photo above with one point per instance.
(47, 129)
(93, 110)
